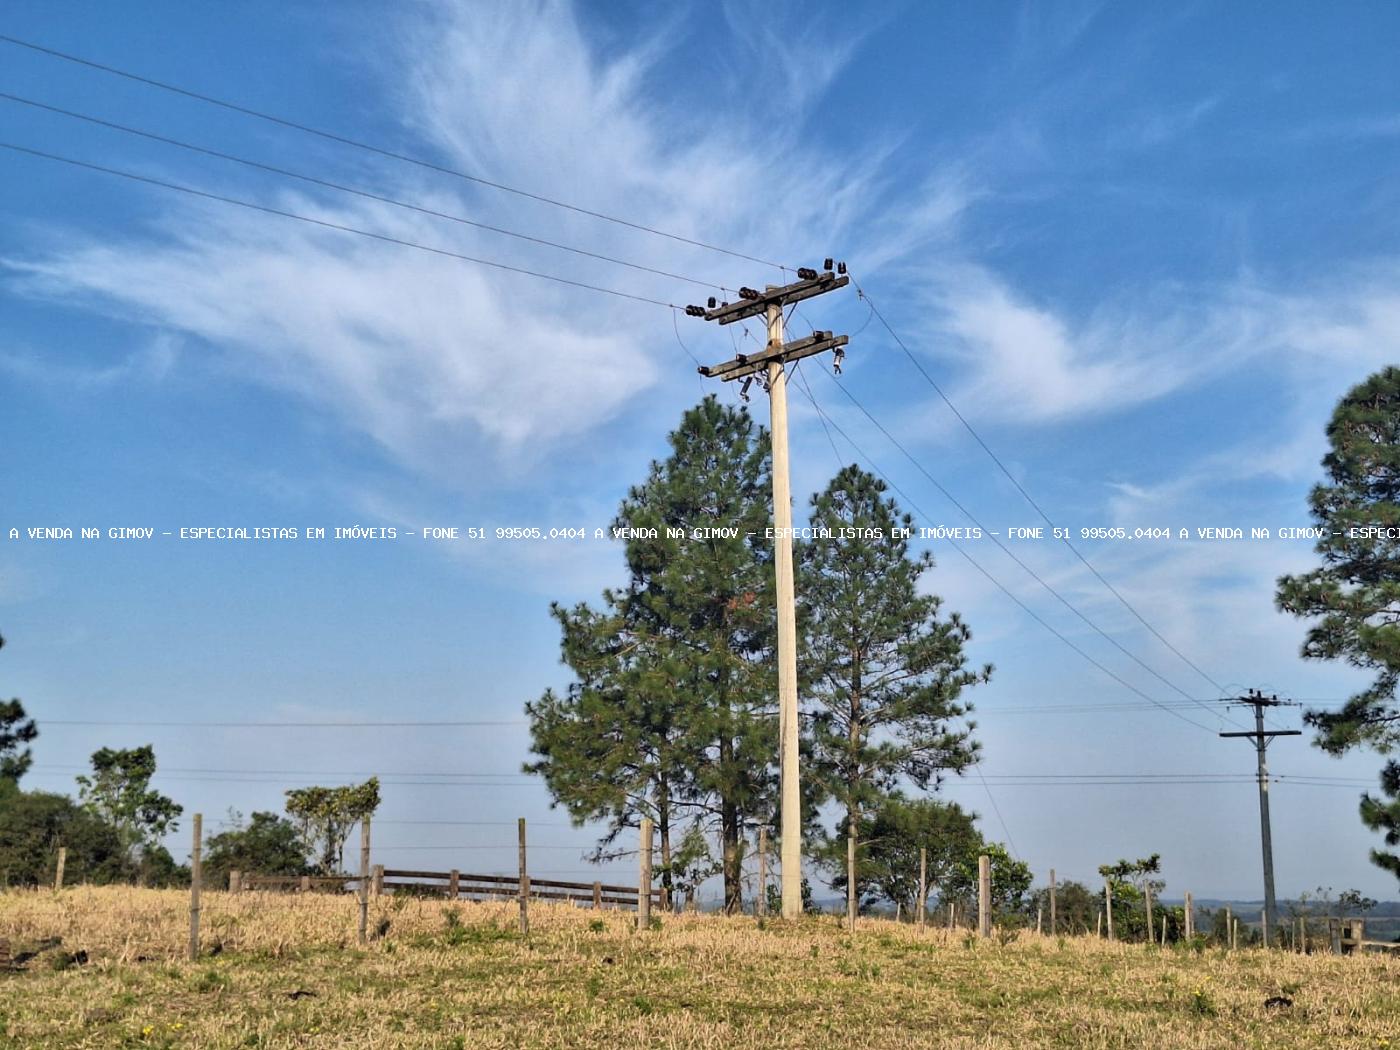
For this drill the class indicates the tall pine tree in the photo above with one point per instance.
(1354, 596)
(885, 670)
(671, 711)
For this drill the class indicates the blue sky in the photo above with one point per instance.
(1143, 251)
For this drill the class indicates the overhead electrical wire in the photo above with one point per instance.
(378, 150)
(1014, 557)
(325, 223)
(875, 311)
(149, 724)
(1003, 588)
(366, 194)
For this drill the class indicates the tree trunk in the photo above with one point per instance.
(729, 838)
(851, 899)
(663, 808)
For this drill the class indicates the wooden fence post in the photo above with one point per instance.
(1054, 925)
(196, 877)
(524, 883)
(1229, 929)
(305, 886)
(1190, 917)
(364, 879)
(1147, 904)
(1108, 906)
(984, 895)
(1164, 927)
(1098, 923)
(760, 906)
(644, 877)
(58, 870)
(1039, 915)
(454, 884)
(1264, 926)
(235, 881)
(950, 915)
(597, 896)
(376, 880)
(923, 886)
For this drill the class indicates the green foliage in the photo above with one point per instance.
(885, 670)
(1011, 880)
(119, 793)
(34, 824)
(892, 835)
(1354, 597)
(16, 730)
(267, 845)
(1383, 815)
(1132, 880)
(668, 715)
(774, 896)
(325, 815)
(1077, 907)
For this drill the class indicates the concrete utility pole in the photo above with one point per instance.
(1261, 738)
(771, 362)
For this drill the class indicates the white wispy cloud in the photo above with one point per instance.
(425, 354)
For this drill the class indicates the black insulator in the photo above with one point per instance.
(712, 302)
(748, 293)
(826, 264)
(806, 273)
(841, 268)
(695, 311)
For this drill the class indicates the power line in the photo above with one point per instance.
(368, 195)
(386, 238)
(1012, 555)
(379, 150)
(281, 725)
(1002, 587)
(1022, 490)
(320, 772)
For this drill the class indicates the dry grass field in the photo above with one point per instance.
(284, 971)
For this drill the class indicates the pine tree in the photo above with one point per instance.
(1354, 596)
(884, 668)
(671, 711)
(16, 729)
(1384, 815)
(612, 746)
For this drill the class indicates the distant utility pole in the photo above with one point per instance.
(770, 363)
(1261, 738)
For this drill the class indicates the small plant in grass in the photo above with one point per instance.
(597, 926)
(1201, 1003)
(210, 981)
(655, 923)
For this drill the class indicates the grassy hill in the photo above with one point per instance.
(286, 972)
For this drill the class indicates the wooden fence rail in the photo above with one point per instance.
(451, 884)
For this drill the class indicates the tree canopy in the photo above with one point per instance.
(1353, 597)
(119, 793)
(267, 845)
(892, 835)
(325, 815)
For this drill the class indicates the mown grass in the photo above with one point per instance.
(287, 972)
